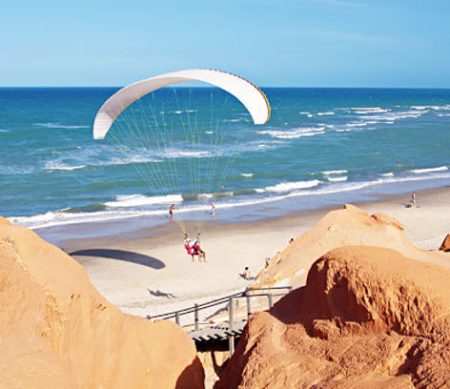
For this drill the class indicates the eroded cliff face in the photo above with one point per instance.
(344, 227)
(368, 317)
(57, 331)
(445, 246)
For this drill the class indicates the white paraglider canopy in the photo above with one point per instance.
(247, 93)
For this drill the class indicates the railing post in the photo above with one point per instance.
(231, 312)
(249, 309)
(196, 317)
(231, 320)
(177, 318)
(269, 296)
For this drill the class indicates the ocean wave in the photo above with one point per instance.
(359, 124)
(294, 133)
(171, 153)
(247, 175)
(328, 113)
(393, 116)
(137, 200)
(368, 110)
(337, 179)
(389, 174)
(52, 165)
(66, 217)
(288, 186)
(332, 172)
(59, 125)
(433, 107)
(429, 170)
(3, 130)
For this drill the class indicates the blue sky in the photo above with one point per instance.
(378, 43)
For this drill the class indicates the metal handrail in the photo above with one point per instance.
(198, 307)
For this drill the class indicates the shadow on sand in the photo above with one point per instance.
(122, 255)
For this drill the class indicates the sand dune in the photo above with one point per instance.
(347, 226)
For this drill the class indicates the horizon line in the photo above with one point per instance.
(211, 87)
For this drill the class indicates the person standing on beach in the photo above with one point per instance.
(413, 199)
(171, 209)
(213, 208)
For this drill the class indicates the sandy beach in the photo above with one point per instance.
(148, 272)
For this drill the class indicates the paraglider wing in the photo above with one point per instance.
(247, 93)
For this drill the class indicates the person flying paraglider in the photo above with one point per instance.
(193, 248)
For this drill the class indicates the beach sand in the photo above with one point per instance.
(149, 272)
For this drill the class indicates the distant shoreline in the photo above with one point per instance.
(138, 226)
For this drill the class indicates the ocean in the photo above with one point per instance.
(190, 146)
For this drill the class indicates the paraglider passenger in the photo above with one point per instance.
(200, 252)
(193, 248)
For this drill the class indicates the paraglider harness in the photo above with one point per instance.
(192, 249)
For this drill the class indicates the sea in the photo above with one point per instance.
(190, 146)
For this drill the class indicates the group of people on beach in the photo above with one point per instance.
(173, 207)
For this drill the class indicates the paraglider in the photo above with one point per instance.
(167, 143)
(247, 93)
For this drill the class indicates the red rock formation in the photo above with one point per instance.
(445, 246)
(57, 331)
(344, 227)
(367, 318)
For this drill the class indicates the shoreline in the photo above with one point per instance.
(149, 272)
(130, 227)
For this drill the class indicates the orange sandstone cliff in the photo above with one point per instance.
(57, 331)
(445, 246)
(348, 226)
(368, 317)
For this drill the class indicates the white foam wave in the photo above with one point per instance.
(247, 175)
(393, 116)
(52, 165)
(332, 172)
(59, 125)
(429, 170)
(328, 113)
(179, 153)
(433, 107)
(288, 186)
(59, 218)
(137, 200)
(359, 124)
(369, 110)
(390, 174)
(294, 133)
(337, 179)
